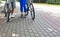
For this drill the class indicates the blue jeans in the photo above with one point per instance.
(23, 5)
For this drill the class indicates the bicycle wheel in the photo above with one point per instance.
(27, 7)
(5, 9)
(32, 11)
(8, 13)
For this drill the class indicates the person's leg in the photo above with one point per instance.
(13, 4)
(25, 8)
(24, 5)
(12, 9)
(25, 11)
(21, 8)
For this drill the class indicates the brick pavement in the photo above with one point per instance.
(43, 26)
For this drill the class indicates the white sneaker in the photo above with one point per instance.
(12, 16)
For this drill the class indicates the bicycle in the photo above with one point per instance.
(30, 8)
(7, 10)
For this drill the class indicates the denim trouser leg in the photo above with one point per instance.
(24, 7)
(21, 7)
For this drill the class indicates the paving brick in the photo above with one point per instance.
(42, 26)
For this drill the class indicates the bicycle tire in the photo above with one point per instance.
(8, 13)
(27, 9)
(5, 9)
(32, 12)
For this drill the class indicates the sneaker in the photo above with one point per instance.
(25, 15)
(21, 15)
(12, 16)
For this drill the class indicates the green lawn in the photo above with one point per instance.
(48, 4)
(42, 3)
(5, 0)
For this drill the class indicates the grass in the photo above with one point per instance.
(48, 4)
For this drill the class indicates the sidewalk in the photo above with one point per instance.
(54, 11)
(44, 24)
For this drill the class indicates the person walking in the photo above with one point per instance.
(12, 5)
(23, 7)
